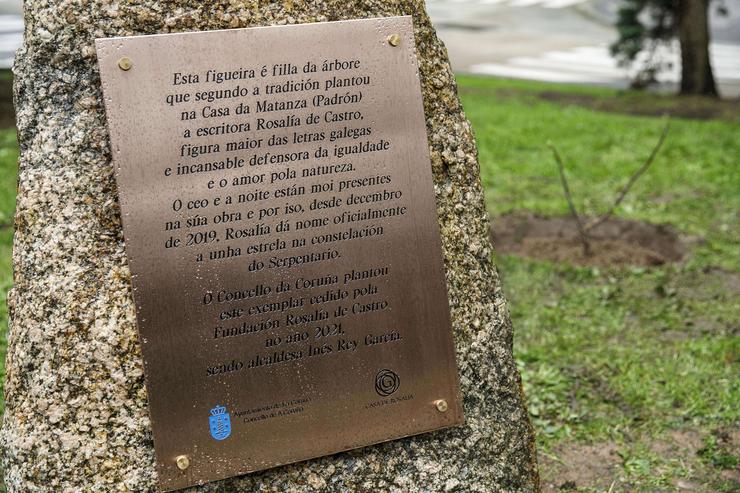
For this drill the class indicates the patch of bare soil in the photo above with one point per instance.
(626, 102)
(730, 281)
(692, 107)
(688, 446)
(577, 466)
(599, 468)
(617, 242)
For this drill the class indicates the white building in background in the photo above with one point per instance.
(11, 30)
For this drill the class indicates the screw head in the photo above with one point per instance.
(125, 63)
(182, 462)
(394, 40)
(441, 405)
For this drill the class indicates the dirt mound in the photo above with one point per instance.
(617, 242)
(640, 103)
(650, 104)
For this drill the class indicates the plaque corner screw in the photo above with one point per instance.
(394, 40)
(125, 63)
(182, 462)
(441, 405)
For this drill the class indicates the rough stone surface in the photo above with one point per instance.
(76, 417)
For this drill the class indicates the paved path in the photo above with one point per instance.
(548, 4)
(594, 65)
(564, 41)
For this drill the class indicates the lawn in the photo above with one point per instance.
(8, 174)
(631, 373)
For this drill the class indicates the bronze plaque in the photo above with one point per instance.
(280, 224)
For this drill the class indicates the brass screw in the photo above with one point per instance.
(125, 63)
(182, 462)
(394, 40)
(441, 405)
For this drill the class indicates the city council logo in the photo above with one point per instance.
(386, 382)
(220, 422)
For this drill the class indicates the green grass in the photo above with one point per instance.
(692, 184)
(8, 177)
(620, 356)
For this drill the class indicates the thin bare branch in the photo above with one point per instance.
(566, 189)
(623, 193)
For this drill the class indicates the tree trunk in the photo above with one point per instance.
(693, 32)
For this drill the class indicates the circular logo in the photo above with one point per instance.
(386, 382)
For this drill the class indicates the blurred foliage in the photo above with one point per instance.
(645, 25)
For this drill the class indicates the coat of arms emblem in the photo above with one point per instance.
(220, 423)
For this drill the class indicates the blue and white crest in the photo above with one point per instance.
(220, 422)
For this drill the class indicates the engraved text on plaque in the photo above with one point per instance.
(280, 224)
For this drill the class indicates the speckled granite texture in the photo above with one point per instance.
(76, 417)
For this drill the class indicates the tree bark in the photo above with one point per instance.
(693, 32)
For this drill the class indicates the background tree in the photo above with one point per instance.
(644, 25)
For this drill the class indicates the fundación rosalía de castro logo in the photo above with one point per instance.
(220, 423)
(386, 382)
